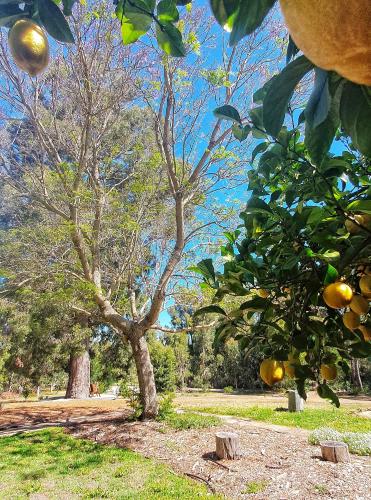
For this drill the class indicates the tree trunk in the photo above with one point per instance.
(334, 451)
(79, 376)
(356, 377)
(227, 445)
(146, 377)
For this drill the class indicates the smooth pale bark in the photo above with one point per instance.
(356, 376)
(79, 376)
(146, 378)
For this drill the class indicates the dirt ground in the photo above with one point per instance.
(212, 398)
(278, 460)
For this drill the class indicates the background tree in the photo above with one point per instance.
(125, 239)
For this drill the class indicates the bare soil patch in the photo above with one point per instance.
(278, 458)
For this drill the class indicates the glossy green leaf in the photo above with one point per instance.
(325, 392)
(241, 132)
(167, 11)
(212, 309)
(360, 206)
(319, 102)
(280, 92)
(250, 15)
(227, 112)
(170, 40)
(224, 9)
(54, 21)
(355, 113)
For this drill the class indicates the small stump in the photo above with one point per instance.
(296, 403)
(335, 451)
(227, 445)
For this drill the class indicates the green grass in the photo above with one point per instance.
(255, 487)
(53, 464)
(188, 420)
(311, 418)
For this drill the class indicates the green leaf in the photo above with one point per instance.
(207, 269)
(67, 6)
(224, 9)
(256, 116)
(170, 40)
(256, 304)
(325, 392)
(319, 139)
(134, 22)
(249, 17)
(241, 133)
(167, 11)
(280, 92)
(227, 112)
(212, 309)
(54, 21)
(360, 206)
(319, 102)
(331, 275)
(355, 114)
(260, 148)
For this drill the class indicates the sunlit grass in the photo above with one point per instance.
(311, 418)
(56, 465)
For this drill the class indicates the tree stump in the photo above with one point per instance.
(227, 445)
(296, 403)
(335, 451)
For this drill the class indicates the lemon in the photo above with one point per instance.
(333, 34)
(328, 372)
(272, 371)
(29, 46)
(337, 295)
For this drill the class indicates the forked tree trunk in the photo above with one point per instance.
(79, 376)
(146, 378)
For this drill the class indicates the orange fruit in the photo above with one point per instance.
(29, 46)
(262, 293)
(359, 304)
(328, 372)
(289, 366)
(334, 35)
(351, 320)
(271, 371)
(337, 295)
(354, 228)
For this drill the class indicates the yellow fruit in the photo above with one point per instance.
(262, 293)
(366, 332)
(333, 34)
(352, 227)
(351, 320)
(272, 371)
(365, 286)
(29, 46)
(337, 295)
(359, 304)
(328, 372)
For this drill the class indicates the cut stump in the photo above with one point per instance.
(335, 451)
(227, 445)
(296, 403)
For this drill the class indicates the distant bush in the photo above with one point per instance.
(359, 442)
(228, 390)
(166, 407)
(184, 421)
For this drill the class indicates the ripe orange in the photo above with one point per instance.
(262, 293)
(337, 295)
(29, 46)
(271, 371)
(365, 286)
(359, 304)
(334, 35)
(328, 372)
(352, 227)
(351, 320)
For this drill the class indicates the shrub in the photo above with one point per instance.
(228, 390)
(166, 408)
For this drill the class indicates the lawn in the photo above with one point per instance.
(53, 464)
(311, 418)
